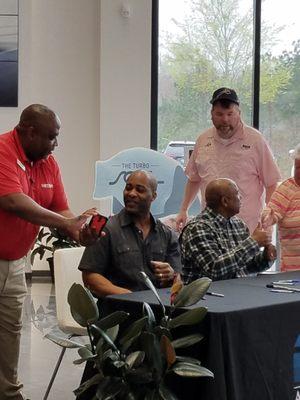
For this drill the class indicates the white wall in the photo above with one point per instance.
(92, 66)
(59, 67)
(65, 71)
(125, 75)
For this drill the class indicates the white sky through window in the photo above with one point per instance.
(273, 12)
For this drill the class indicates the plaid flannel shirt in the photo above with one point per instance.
(219, 248)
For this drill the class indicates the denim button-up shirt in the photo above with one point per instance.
(122, 253)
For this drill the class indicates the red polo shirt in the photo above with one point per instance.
(40, 180)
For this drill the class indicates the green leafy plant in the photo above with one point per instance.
(49, 240)
(133, 364)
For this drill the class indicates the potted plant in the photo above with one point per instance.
(49, 240)
(134, 363)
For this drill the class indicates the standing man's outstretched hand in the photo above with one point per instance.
(181, 220)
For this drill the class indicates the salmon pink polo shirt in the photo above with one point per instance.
(40, 180)
(245, 158)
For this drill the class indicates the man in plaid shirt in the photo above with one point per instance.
(217, 243)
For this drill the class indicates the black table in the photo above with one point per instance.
(251, 339)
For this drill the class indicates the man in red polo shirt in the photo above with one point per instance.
(31, 194)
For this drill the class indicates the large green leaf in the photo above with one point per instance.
(190, 360)
(135, 359)
(192, 293)
(106, 338)
(100, 347)
(116, 318)
(187, 341)
(152, 287)
(129, 342)
(147, 310)
(63, 342)
(151, 346)
(113, 332)
(191, 370)
(134, 329)
(168, 350)
(82, 305)
(85, 354)
(190, 317)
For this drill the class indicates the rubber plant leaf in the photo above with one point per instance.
(135, 359)
(187, 341)
(147, 311)
(116, 318)
(192, 293)
(134, 329)
(152, 287)
(190, 317)
(82, 305)
(63, 342)
(168, 350)
(191, 370)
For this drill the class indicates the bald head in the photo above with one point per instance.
(148, 175)
(139, 193)
(222, 196)
(38, 130)
(35, 114)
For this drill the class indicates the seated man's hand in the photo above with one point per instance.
(261, 236)
(163, 272)
(270, 252)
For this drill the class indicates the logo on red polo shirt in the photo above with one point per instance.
(47, 185)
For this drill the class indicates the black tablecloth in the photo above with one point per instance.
(250, 342)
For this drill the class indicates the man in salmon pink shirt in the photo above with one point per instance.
(231, 149)
(31, 194)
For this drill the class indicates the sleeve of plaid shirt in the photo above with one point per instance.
(204, 254)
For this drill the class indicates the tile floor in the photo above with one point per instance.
(38, 355)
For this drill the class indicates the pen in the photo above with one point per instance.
(288, 281)
(215, 294)
(272, 286)
(281, 291)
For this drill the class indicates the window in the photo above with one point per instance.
(206, 44)
(203, 45)
(9, 53)
(280, 79)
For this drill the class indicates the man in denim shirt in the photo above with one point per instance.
(134, 241)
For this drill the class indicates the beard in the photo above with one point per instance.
(225, 131)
